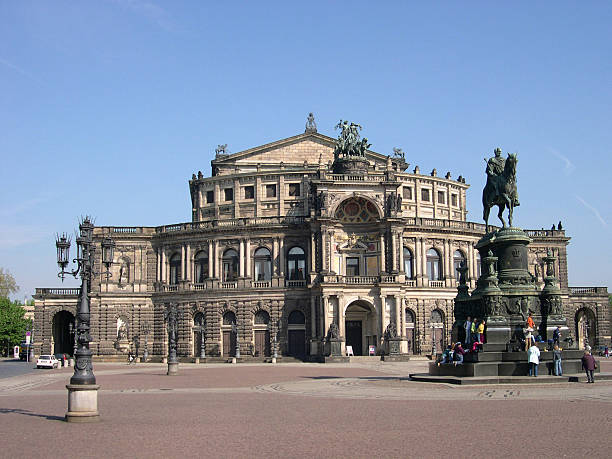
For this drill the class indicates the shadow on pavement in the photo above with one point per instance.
(29, 413)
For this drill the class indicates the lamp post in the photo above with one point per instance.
(235, 331)
(433, 343)
(202, 342)
(82, 389)
(172, 317)
(273, 331)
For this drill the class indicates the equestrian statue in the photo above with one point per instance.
(500, 189)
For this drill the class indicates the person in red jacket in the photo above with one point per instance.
(589, 365)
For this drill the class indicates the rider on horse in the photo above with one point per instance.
(495, 168)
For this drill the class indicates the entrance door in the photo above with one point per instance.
(262, 343)
(411, 343)
(63, 333)
(439, 339)
(297, 343)
(229, 343)
(354, 336)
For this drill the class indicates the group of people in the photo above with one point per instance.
(474, 330)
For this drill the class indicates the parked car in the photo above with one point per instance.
(47, 361)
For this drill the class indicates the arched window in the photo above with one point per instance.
(296, 318)
(434, 269)
(229, 318)
(201, 266)
(408, 263)
(175, 269)
(296, 263)
(409, 316)
(357, 210)
(437, 317)
(478, 265)
(458, 257)
(230, 265)
(262, 318)
(198, 319)
(263, 264)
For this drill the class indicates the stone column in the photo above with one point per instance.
(424, 262)
(182, 276)
(382, 252)
(313, 253)
(188, 263)
(383, 319)
(313, 318)
(324, 266)
(163, 264)
(323, 316)
(158, 265)
(248, 258)
(211, 258)
(341, 323)
(275, 258)
(331, 250)
(281, 258)
(242, 260)
(403, 321)
(217, 260)
(398, 317)
(448, 275)
(401, 252)
(393, 252)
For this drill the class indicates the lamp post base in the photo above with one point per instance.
(172, 368)
(82, 403)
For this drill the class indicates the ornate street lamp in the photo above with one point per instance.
(273, 332)
(172, 319)
(202, 342)
(83, 390)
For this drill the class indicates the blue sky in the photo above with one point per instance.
(108, 107)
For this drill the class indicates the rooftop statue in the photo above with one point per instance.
(311, 126)
(500, 189)
(349, 143)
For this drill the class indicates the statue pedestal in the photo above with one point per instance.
(82, 403)
(335, 347)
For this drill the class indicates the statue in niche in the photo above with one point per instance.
(333, 332)
(391, 331)
(124, 272)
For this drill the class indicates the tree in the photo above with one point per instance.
(7, 284)
(13, 324)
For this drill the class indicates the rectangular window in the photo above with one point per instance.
(352, 266)
(407, 192)
(210, 197)
(441, 197)
(454, 200)
(270, 191)
(229, 194)
(294, 189)
(249, 192)
(425, 194)
(372, 266)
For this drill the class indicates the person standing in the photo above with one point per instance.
(530, 322)
(533, 358)
(557, 335)
(480, 332)
(557, 361)
(473, 329)
(468, 331)
(528, 339)
(589, 365)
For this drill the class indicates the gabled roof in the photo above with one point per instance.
(259, 152)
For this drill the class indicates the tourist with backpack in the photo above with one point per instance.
(557, 361)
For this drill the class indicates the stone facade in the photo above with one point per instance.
(280, 248)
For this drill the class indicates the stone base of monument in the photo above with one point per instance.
(496, 366)
(82, 403)
(336, 359)
(172, 368)
(395, 358)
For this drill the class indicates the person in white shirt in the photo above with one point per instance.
(533, 357)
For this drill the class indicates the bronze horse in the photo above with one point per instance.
(501, 191)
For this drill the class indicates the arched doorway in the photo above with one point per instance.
(261, 334)
(296, 334)
(410, 333)
(199, 330)
(586, 329)
(360, 327)
(63, 333)
(229, 334)
(436, 322)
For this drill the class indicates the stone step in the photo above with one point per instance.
(487, 380)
